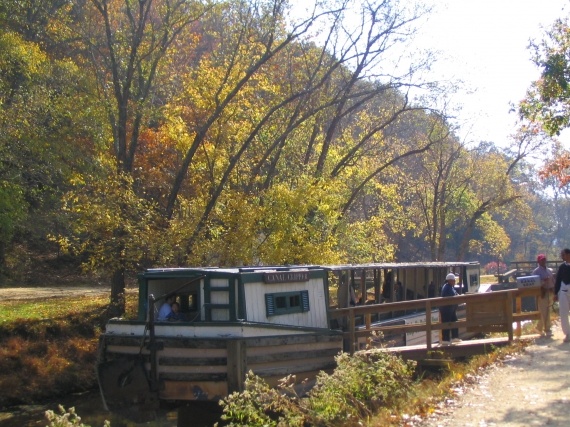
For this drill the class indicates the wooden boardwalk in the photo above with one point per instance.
(498, 313)
(466, 348)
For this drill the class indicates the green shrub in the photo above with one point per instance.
(261, 405)
(359, 385)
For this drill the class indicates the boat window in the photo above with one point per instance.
(188, 302)
(473, 279)
(286, 303)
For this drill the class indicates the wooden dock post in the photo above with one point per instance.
(352, 329)
(428, 325)
(509, 313)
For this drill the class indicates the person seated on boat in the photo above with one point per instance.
(166, 308)
(175, 315)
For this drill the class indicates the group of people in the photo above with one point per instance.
(170, 310)
(554, 289)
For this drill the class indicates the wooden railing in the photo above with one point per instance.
(488, 312)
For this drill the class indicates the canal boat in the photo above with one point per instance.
(272, 321)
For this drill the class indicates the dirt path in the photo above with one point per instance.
(529, 389)
(23, 293)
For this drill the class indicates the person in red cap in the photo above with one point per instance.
(546, 291)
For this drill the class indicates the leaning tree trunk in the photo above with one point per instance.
(2, 259)
(117, 306)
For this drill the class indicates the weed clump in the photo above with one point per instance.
(67, 418)
(359, 386)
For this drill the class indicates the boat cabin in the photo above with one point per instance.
(269, 295)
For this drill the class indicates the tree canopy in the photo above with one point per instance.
(167, 133)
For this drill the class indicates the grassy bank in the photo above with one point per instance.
(48, 347)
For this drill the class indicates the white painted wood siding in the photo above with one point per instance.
(220, 297)
(199, 331)
(316, 317)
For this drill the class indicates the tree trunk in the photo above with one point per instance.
(2, 259)
(117, 306)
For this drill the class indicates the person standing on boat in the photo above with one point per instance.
(561, 291)
(546, 289)
(399, 291)
(431, 290)
(166, 308)
(448, 312)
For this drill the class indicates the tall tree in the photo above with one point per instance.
(437, 181)
(127, 45)
(332, 90)
(547, 101)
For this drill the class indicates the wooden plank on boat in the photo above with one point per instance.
(115, 349)
(169, 342)
(195, 377)
(275, 349)
(294, 339)
(287, 355)
(192, 361)
(206, 370)
(237, 365)
(282, 371)
(200, 343)
(193, 352)
(193, 390)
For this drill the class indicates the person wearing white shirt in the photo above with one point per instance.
(561, 291)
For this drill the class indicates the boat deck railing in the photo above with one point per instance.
(499, 311)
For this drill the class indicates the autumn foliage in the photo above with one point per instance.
(167, 133)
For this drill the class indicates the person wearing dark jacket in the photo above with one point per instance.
(448, 312)
(561, 291)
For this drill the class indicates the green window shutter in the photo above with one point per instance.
(305, 300)
(286, 303)
(269, 305)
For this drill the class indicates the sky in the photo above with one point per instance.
(485, 43)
